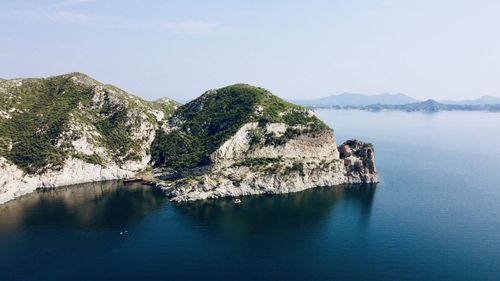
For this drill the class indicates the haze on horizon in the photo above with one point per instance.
(425, 49)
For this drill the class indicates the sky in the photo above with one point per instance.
(297, 49)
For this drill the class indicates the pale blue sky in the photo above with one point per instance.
(297, 49)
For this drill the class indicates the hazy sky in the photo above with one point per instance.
(423, 48)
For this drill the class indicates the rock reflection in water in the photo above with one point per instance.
(87, 207)
(279, 213)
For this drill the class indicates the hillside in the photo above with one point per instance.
(202, 125)
(242, 140)
(51, 126)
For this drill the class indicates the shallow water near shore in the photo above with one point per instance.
(434, 216)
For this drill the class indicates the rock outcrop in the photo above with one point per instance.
(359, 161)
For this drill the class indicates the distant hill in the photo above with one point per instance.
(484, 100)
(432, 106)
(349, 99)
(400, 102)
(360, 100)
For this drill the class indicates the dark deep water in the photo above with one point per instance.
(434, 216)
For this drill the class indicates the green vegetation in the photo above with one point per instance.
(35, 137)
(261, 164)
(207, 122)
(116, 132)
(296, 167)
(41, 116)
(270, 165)
(257, 137)
(92, 158)
(296, 118)
(290, 133)
(179, 149)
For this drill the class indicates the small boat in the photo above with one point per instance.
(237, 201)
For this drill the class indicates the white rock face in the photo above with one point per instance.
(14, 182)
(234, 148)
(235, 182)
(4, 114)
(306, 161)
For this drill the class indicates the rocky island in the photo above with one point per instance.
(234, 141)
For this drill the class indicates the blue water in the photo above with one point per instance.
(434, 216)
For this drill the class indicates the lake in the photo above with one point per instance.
(435, 215)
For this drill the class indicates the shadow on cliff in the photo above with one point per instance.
(90, 207)
(276, 214)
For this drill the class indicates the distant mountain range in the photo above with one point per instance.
(349, 99)
(432, 106)
(484, 100)
(399, 102)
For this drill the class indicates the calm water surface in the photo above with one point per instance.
(434, 216)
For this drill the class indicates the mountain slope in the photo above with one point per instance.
(50, 128)
(202, 125)
(348, 99)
